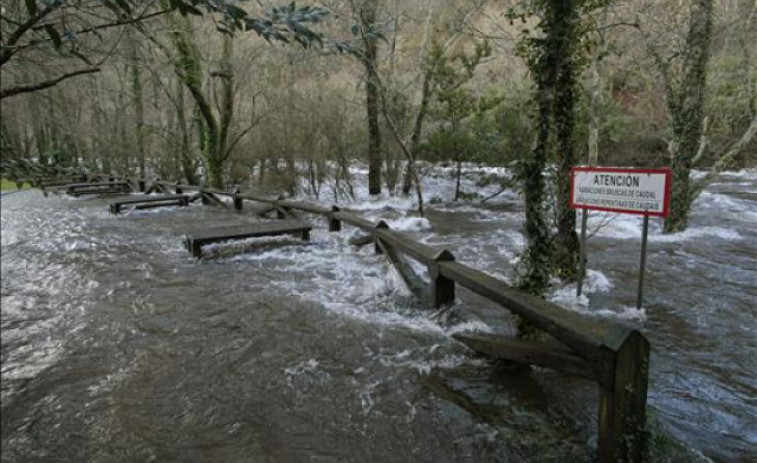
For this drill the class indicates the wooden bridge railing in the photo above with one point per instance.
(614, 356)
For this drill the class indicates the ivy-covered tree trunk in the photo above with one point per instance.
(686, 104)
(136, 96)
(190, 71)
(370, 53)
(566, 244)
(531, 169)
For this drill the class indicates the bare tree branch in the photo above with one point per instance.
(13, 91)
(7, 50)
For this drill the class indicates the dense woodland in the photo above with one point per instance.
(287, 98)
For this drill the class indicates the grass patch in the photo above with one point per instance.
(6, 184)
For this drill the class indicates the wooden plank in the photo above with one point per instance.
(307, 207)
(251, 230)
(85, 186)
(407, 245)
(260, 199)
(361, 241)
(145, 202)
(211, 197)
(413, 282)
(589, 338)
(435, 384)
(56, 183)
(149, 199)
(263, 210)
(216, 191)
(528, 352)
(279, 227)
(355, 221)
(98, 191)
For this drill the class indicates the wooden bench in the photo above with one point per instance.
(194, 243)
(145, 201)
(80, 189)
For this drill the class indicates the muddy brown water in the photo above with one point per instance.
(118, 346)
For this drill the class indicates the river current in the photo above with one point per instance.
(117, 345)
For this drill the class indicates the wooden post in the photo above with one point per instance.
(381, 226)
(203, 198)
(237, 200)
(194, 247)
(442, 288)
(142, 186)
(335, 225)
(640, 292)
(280, 211)
(622, 411)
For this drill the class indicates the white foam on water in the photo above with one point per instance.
(748, 173)
(410, 224)
(357, 285)
(366, 401)
(723, 202)
(304, 367)
(470, 326)
(698, 232)
(438, 185)
(566, 298)
(627, 226)
(382, 203)
(595, 282)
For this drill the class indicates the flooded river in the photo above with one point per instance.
(118, 346)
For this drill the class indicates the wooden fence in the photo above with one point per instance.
(614, 356)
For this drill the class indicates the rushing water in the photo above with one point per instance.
(118, 346)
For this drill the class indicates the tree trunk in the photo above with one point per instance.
(566, 244)
(136, 95)
(686, 105)
(368, 15)
(531, 171)
(189, 70)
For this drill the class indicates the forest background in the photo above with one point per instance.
(289, 98)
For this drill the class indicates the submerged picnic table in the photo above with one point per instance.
(196, 241)
(99, 188)
(149, 201)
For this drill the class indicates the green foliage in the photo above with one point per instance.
(282, 24)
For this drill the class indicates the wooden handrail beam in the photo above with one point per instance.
(589, 338)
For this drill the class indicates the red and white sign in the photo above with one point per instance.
(616, 189)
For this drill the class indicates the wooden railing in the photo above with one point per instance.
(614, 356)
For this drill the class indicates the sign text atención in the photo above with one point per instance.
(634, 191)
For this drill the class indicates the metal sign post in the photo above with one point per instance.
(628, 191)
(582, 261)
(643, 260)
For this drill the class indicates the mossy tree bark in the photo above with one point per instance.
(213, 131)
(531, 169)
(136, 97)
(566, 244)
(685, 100)
(370, 54)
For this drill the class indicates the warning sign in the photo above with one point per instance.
(632, 191)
